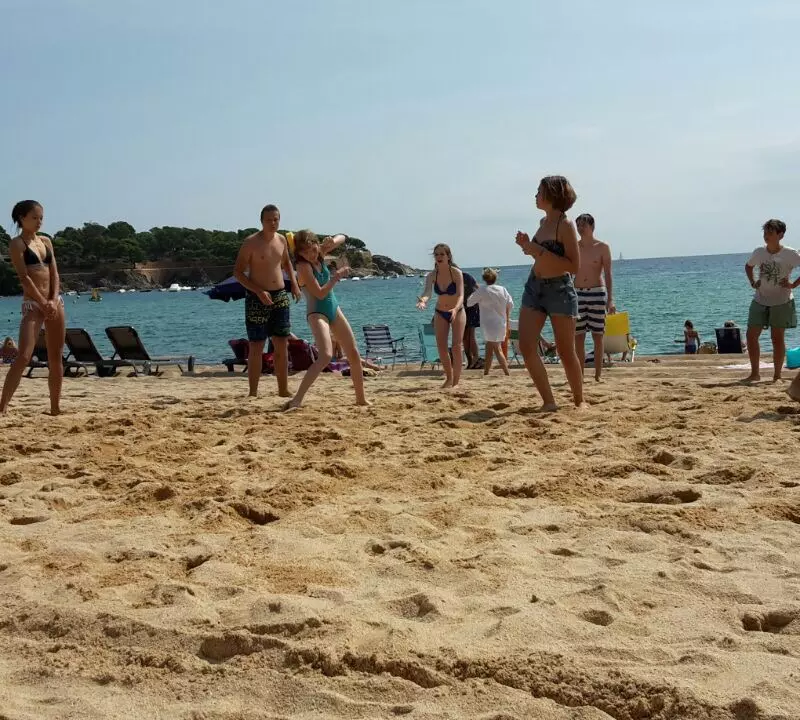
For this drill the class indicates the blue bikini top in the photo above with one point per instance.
(451, 288)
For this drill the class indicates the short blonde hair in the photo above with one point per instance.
(489, 276)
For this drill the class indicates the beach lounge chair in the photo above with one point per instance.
(617, 338)
(729, 341)
(82, 353)
(240, 348)
(548, 356)
(39, 358)
(379, 342)
(429, 355)
(129, 347)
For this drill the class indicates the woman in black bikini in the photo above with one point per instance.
(447, 281)
(33, 259)
(550, 291)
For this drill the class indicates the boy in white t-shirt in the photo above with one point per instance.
(495, 304)
(773, 304)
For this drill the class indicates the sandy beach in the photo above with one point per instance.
(170, 550)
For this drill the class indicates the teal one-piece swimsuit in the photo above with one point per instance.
(328, 306)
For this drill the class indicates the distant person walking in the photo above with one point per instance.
(593, 284)
(447, 281)
(550, 291)
(495, 304)
(773, 303)
(262, 260)
(35, 262)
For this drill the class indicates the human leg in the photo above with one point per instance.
(531, 323)
(54, 336)
(255, 352)
(322, 338)
(28, 332)
(564, 331)
(344, 334)
(459, 322)
(442, 329)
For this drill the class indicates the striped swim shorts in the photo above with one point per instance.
(591, 310)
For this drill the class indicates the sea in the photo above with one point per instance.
(659, 295)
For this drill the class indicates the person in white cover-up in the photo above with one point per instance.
(495, 304)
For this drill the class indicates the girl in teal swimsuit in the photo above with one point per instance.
(447, 281)
(324, 313)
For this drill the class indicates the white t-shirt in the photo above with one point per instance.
(773, 269)
(493, 301)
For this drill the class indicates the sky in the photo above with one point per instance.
(408, 123)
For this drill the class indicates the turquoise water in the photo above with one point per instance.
(659, 295)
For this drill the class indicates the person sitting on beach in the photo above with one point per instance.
(35, 262)
(730, 324)
(9, 351)
(594, 287)
(260, 266)
(447, 281)
(691, 339)
(495, 305)
(773, 303)
(324, 313)
(549, 290)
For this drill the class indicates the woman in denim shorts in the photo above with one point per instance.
(549, 291)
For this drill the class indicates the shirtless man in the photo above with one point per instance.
(593, 284)
(259, 265)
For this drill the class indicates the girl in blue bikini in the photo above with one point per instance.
(447, 282)
(324, 313)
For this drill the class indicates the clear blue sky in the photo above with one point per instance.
(408, 122)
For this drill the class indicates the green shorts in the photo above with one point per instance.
(777, 316)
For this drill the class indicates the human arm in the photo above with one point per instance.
(286, 263)
(239, 272)
(569, 263)
(459, 278)
(331, 243)
(312, 286)
(476, 297)
(748, 269)
(786, 282)
(607, 276)
(422, 300)
(17, 249)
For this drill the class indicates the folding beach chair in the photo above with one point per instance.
(82, 353)
(129, 347)
(617, 338)
(379, 342)
(729, 341)
(430, 356)
(240, 348)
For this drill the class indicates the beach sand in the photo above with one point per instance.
(171, 550)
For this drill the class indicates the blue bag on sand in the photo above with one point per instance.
(793, 358)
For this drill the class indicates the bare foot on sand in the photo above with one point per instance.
(777, 379)
(447, 384)
(548, 408)
(793, 392)
(598, 379)
(285, 393)
(252, 395)
(363, 403)
(751, 378)
(291, 406)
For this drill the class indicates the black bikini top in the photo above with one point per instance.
(31, 258)
(555, 246)
(451, 288)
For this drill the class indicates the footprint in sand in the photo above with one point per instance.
(666, 497)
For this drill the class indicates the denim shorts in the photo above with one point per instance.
(551, 296)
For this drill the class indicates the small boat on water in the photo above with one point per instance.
(174, 287)
(95, 295)
(71, 293)
(355, 278)
(122, 290)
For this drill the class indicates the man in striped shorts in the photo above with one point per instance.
(594, 286)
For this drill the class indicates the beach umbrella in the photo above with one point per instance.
(232, 289)
(227, 290)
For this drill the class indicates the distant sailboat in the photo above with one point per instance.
(620, 259)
